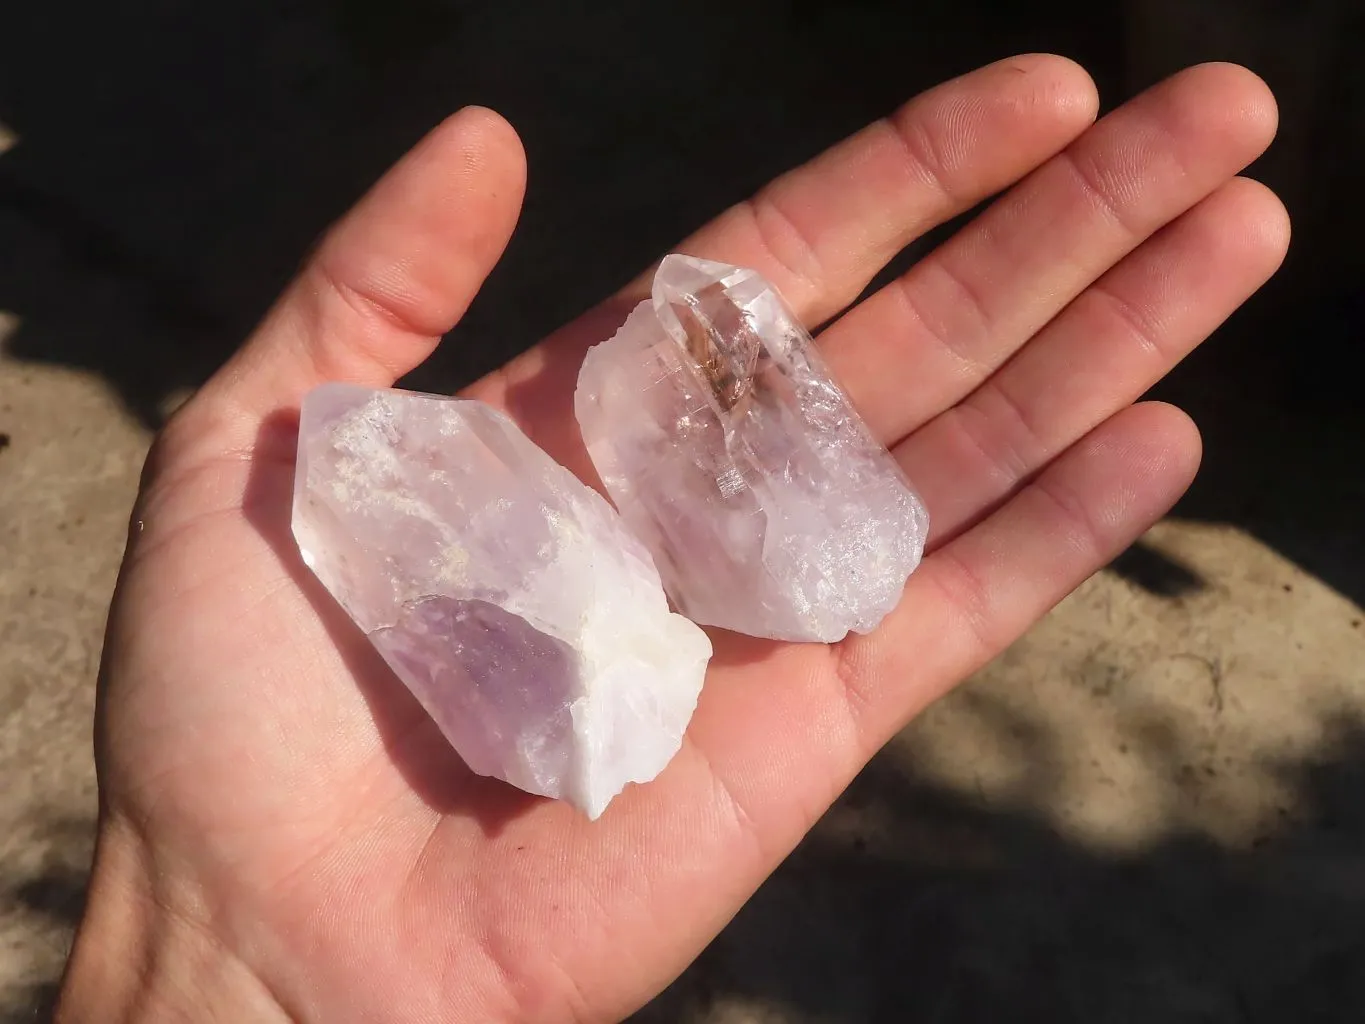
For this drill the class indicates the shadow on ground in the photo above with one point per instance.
(49, 902)
(941, 909)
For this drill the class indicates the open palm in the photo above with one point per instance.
(303, 831)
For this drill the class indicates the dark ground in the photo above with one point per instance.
(176, 162)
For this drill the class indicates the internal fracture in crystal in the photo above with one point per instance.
(767, 503)
(508, 596)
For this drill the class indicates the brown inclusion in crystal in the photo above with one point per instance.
(723, 344)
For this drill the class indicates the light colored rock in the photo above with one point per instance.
(768, 505)
(506, 594)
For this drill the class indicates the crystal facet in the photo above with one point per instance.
(768, 505)
(508, 596)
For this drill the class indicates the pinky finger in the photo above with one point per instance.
(979, 593)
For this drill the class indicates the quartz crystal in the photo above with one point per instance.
(508, 596)
(768, 505)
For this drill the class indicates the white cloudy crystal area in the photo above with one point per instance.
(768, 505)
(507, 595)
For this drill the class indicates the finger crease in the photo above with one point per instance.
(974, 306)
(1025, 445)
(368, 307)
(1130, 316)
(1008, 465)
(967, 593)
(858, 702)
(923, 155)
(1099, 196)
(1083, 528)
(742, 820)
(972, 369)
(785, 243)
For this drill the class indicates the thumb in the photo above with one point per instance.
(387, 281)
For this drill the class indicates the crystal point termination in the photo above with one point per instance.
(506, 595)
(768, 505)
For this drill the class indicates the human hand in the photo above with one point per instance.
(285, 834)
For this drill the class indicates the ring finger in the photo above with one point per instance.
(1116, 340)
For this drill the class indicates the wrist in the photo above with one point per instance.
(138, 958)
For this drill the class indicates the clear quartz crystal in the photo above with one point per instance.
(768, 505)
(507, 595)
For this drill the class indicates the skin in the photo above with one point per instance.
(285, 836)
